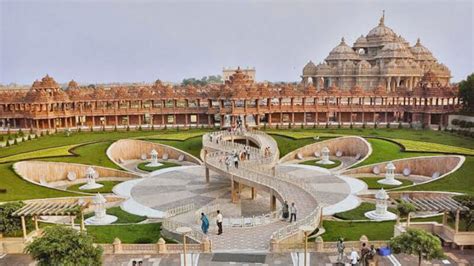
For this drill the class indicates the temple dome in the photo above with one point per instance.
(309, 69)
(421, 52)
(381, 30)
(342, 52)
(395, 50)
(361, 41)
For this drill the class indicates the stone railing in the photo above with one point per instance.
(179, 210)
(196, 235)
(161, 247)
(242, 221)
(313, 219)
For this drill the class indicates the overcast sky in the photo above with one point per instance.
(133, 41)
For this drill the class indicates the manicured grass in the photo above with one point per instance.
(411, 145)
(181, 135)
(295, 134)
(372, 183)
(92, 154)
(123, 216)
(19, 189)
(287, 145)
(50, 152)
(107, 188)
(327, 166)
(384, 150)
(129, 234)
(460, 181)
(192, 145)
(358, 213)
(143, 167)
(433, 136)
(352, 231)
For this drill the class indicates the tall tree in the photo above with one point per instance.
(418, 242)
(466, 92)
(62, 245)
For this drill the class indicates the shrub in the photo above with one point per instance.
(339, 125)
(7, 144)
(140, 128)
(128, 128)
(10, 225)
(92, 129)
(404, 208)
(363, 125)
(2, 138)
(79, 129)
(455, 122)
(115, 128)
(376, 125)
(314, 125)
(278, 126)
(400, 125)
(15, 142)
(388, 125)
(20, 133)
(327, 125)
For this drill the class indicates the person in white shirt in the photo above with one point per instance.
(354, 257)
(219, 222)
(293, 211)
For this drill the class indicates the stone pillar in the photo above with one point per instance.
(117, 245)
(363, 239)
(319, 244)
(456, 222)
(272, 203)
(206, 245)
(161, 245)
(207, 175)
(254, 193)
(23, 226)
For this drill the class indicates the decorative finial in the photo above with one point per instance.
(382, 19)
(418, 42)
(342, 40)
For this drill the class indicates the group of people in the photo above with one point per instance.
(366, 254)
(289, 211)
(205, 223)
(267, 152)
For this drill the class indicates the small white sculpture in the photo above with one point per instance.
(338, 153)
(406, 171)
(299, 155)
(325, 157)
(376, 170)
(100, 214)
(181, 158)
(390, 176)
(91, 175)
(381, 213)
(154, 159)
(71, 176)
(165, 156)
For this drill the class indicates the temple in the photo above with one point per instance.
(381, 79)
(381, 58)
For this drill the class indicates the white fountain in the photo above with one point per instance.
(380, 213)
(154, 159)
(91, 175)
(325, 157)
(100, 215)
(390, 176)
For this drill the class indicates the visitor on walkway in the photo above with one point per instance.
(219, 219)
(236, 161)
(204, 223)
(247, 150)
(293, 211)
(228, 162)
(354, 257)
(285, 210)
(364, 254)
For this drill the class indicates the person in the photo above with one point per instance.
(248, 152)
(285, 210)
(364, 254)
(227, 162)
(340, 250)
(293, 211)
(219, 222)
(204, 223)
(236, 161)
(354, 257)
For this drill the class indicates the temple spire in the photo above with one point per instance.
(382, 19)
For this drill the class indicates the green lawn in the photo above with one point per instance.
(50, 152)
(411, 145)
(358, 213)
(123, 216)
(180, 136)
(129, 234)
(287, 145)
(460, 181)
(107, 188)
(384, 150)
(352, 231)
(372, 183)
(192, 145)
(327, 166)
(143, 167)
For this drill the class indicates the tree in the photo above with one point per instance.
(466, 92)
(62, 245)
(466, 215)
(418, 242)
(9, 225)
(404, 208)
(203, 81)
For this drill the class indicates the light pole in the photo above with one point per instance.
(307, 229)
(184, 230)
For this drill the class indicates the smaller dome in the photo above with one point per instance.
(309, 68)
(390, 166)
(381, 194)
(99, 199)
(395, 50)
(72, 84)
(421, 52)
(360, 42)
(342, 52)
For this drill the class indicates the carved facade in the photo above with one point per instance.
(47, 106)
(381, 58)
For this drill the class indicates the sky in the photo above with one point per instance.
(141, 41)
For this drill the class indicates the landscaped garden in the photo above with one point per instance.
(327, 166)
(373, 184)
(144, 167)
(107, 188)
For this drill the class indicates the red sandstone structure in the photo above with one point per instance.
(47, 106)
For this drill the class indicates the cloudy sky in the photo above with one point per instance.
(103, 41)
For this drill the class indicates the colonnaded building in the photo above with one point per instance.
(381, 79)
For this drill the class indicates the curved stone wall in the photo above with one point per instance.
(423, 166)
(349, 146)
(34, 171)
(132, 149)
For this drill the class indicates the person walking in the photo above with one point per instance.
(285, 210)
(364, 254)
(247, 148)
(293, 211)
(354, 257)
(204, 223)
(219, 219)
(236, 161)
